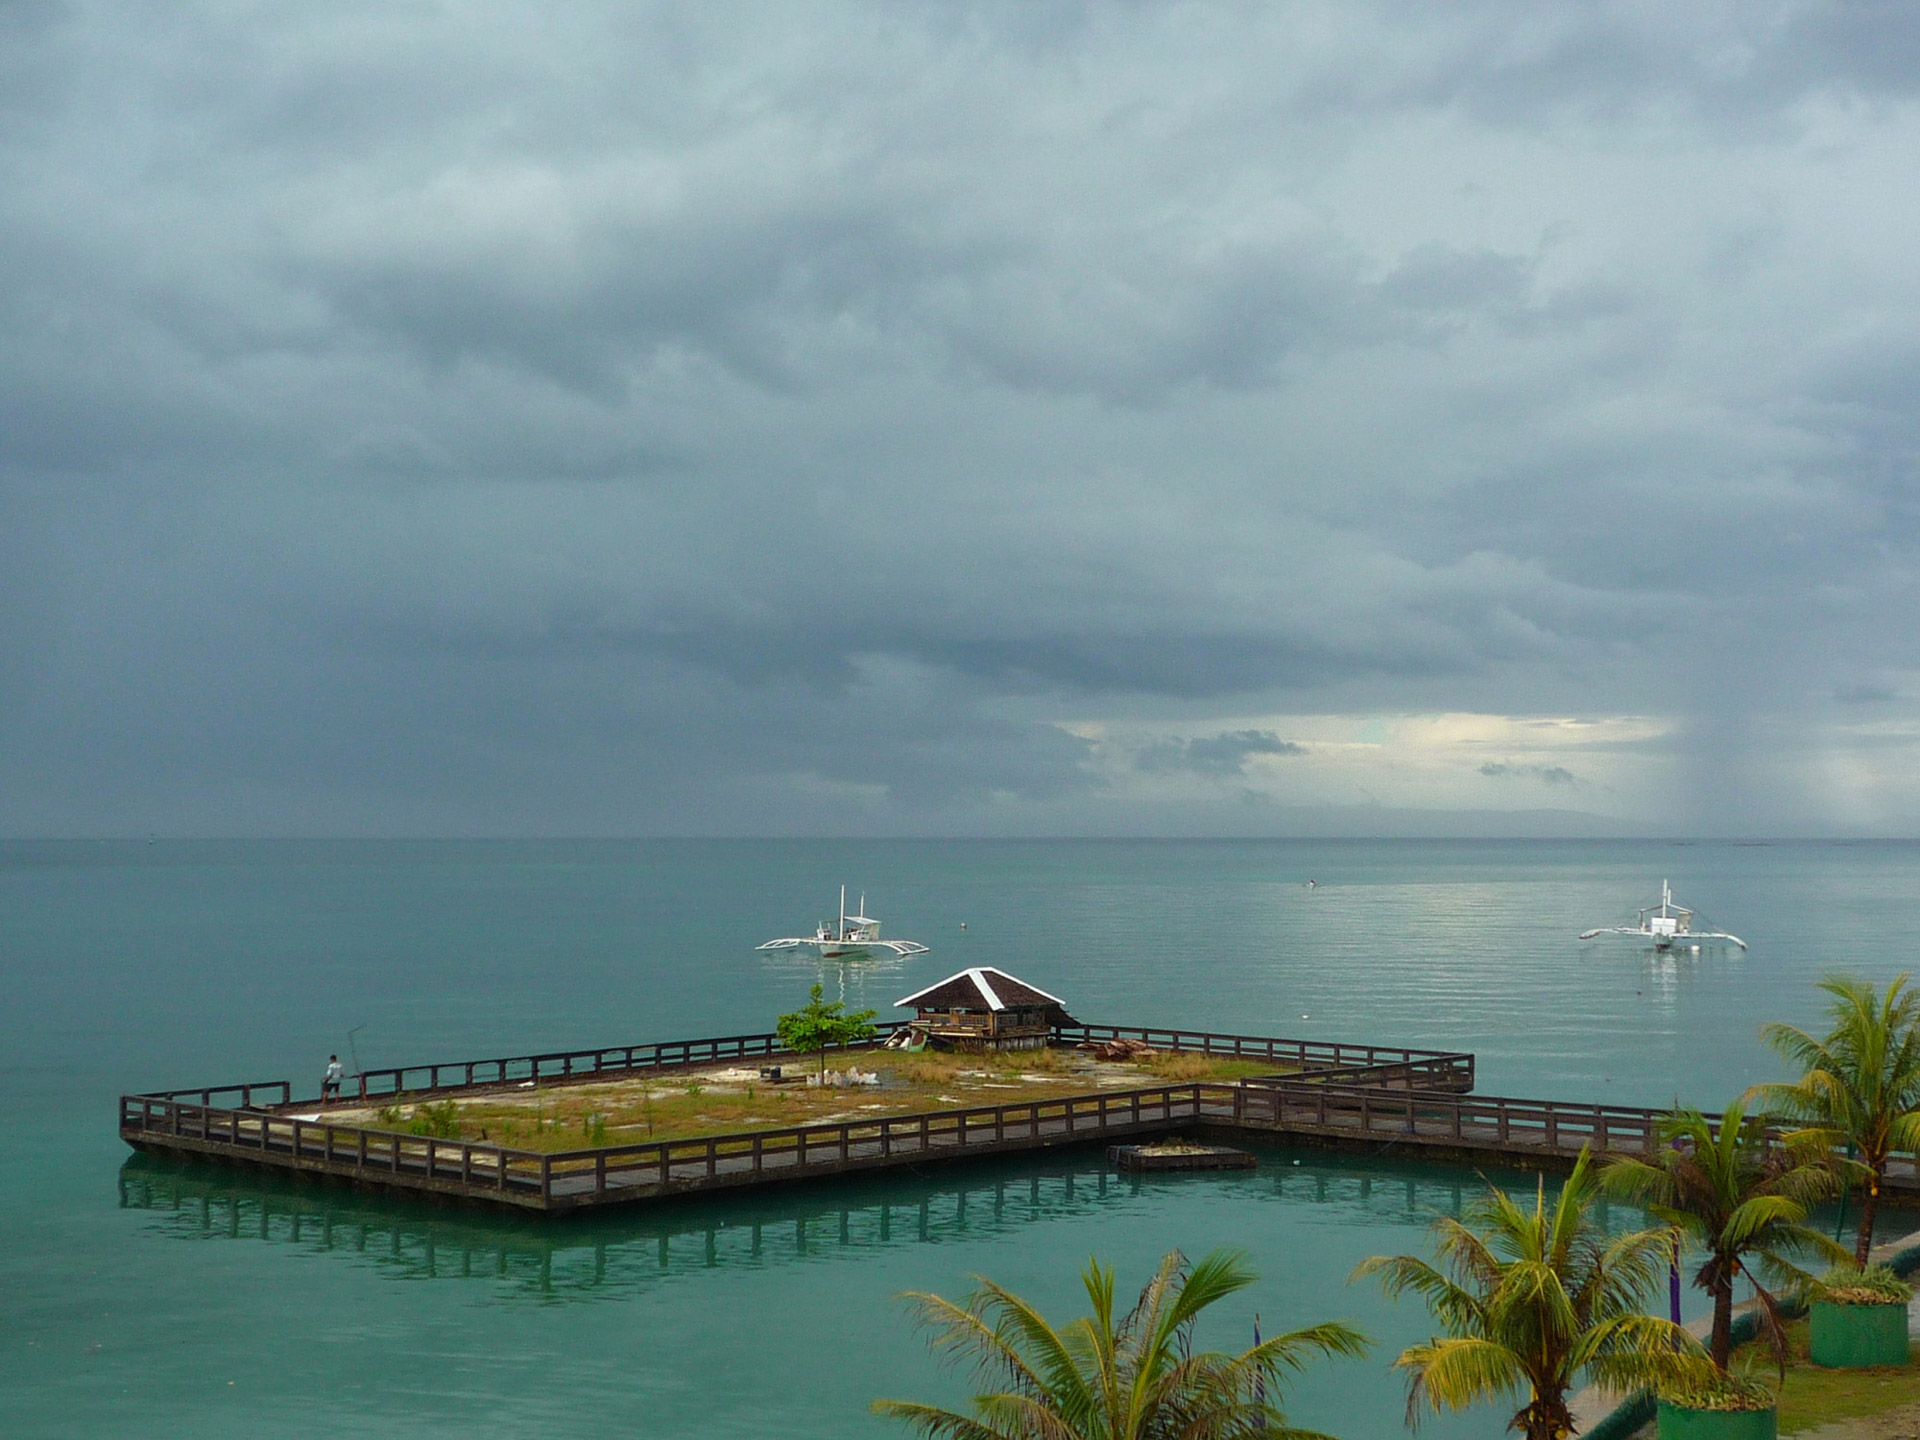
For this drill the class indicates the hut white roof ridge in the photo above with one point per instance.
(978, 975)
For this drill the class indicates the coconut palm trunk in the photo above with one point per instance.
(1869, 1211)
(1720, 1345)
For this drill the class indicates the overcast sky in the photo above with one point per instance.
(959, 418)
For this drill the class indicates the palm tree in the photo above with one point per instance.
(1860, 1083)
(1531, 1299)
(1132, 1378)
(1738, 1195)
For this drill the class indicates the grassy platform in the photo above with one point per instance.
(721, 1099)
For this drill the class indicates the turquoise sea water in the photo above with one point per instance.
(148, 1299)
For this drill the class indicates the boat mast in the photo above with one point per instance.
(843, 914)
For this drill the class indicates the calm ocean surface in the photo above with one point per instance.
(150, 1300)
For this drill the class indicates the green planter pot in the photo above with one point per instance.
(1678, 1422)
(1852, 1337)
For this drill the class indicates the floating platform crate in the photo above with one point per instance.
(1179, 1156)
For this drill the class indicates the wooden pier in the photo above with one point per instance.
(1373, 1097)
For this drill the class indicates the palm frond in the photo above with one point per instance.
(1458, 1372)
(933, 1421)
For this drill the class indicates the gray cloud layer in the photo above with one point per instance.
(1217, 755)
(777, 418)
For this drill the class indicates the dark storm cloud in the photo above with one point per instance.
(780, 417)
(1219, 756)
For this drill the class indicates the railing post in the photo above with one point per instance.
(546, 1178)
(600, 1173)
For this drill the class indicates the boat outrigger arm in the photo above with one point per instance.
(853, 934)
(1668, 926)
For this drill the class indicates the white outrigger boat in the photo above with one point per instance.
(1668, 926)
(850, 935)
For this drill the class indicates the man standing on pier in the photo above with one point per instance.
(331, 1084)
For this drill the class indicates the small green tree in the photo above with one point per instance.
(822, 1024)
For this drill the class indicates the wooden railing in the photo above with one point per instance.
(1355, 1064)
(581, 1175)
(1314, 1055)
(1485, 1122)
(564, 1065)
(1498, 1124)
(756, 1153)
(341, 1148)
(1452, 1073)
(282, 1093)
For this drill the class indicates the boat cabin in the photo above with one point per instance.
(984, 1009)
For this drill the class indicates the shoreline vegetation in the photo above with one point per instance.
(722, 1098)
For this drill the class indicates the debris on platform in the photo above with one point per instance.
(1120, 1049)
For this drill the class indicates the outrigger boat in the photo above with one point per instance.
(850, 935)
(1668, 926)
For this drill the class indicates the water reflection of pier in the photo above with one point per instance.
(605, 1254)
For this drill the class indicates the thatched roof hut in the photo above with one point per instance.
(985, 1008)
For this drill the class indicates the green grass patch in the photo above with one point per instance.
(694, 1106)
(1812, 1396)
